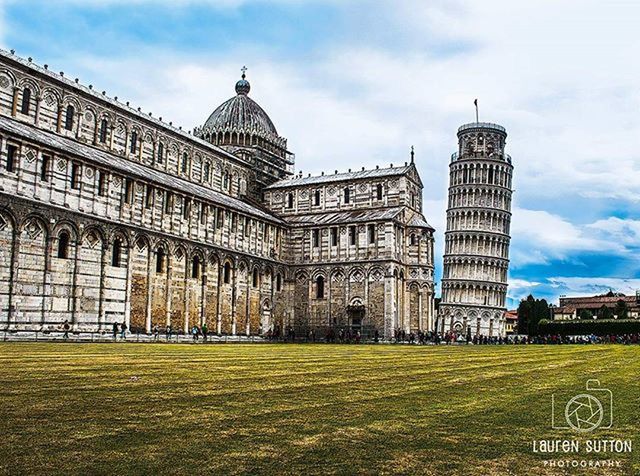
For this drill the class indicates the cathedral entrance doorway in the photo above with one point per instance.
(266, 316)
(355, 314)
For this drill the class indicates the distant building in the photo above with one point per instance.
(511, 322)
(575, 307)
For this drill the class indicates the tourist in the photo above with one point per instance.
(123, 330)
(156, 333)
(194, 331)
(65, 326)
(115, 331)
(205, 329)
(169, 331)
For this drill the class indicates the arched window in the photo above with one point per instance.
(225, 181)
(255, 278)
(290, 200)
(68, 120)
(317, 198)
(320, 287)
(160, 255)
(104, 125)
(116, 253)
(379, 192)
(347, 195)
(412, 239)
(160, 152)
(227, 273)
(133, 147)
(185, 164)
(207, 172)
(63, 245)
(26, 101)
(278, 282)
(195, 267)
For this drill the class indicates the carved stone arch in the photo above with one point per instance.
(121, 127)
(148, 137)
(7, 218)
(229, 258)
(179, 252)
(243, 265)
(376, 273)
(123, 235)
(69, 99)
(357, 274)
(317, 273)
(51, 96)
(267, 270)
(95, 230)
(68, 226)
(142, 242)
(9, 78)
(213, 258)
(134, 127)
(197, 251)
(35, 226)
(31, 84)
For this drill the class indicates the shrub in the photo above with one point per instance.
(600, 327)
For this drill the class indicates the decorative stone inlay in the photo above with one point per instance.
(92, 239)
(30, 155)
(62, 165)
(33, 229)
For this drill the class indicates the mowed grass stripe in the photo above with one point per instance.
(284, 409)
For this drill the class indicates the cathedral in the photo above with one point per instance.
(111, 215)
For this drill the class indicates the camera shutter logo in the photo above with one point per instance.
(586, 411)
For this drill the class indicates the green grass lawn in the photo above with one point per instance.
(299, 409)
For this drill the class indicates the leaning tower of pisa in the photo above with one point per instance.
(476, 255)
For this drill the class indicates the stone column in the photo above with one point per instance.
(218, 306)
(127, 303)
(150, 255)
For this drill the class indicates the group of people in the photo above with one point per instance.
(353, 336)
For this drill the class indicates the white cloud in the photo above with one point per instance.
(557, 73)
(578, 286)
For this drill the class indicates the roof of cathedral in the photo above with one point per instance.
(76, 85)
(241, 113)
(355, 216)
(419, 222)
(352, 216)
(339, 177)
(130, 168)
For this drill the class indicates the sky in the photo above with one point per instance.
(357, 83)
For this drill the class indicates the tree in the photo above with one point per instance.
(604, 313)
(586, 314)
(621, 310)
(530, 312)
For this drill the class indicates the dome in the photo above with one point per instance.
(240, 113)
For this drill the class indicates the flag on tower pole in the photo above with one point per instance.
(475, 102)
